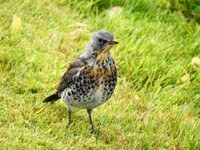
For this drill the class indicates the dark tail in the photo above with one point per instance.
(52, 98)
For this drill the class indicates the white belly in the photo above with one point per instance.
(88, 102)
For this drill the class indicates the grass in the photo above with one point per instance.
(157, 99)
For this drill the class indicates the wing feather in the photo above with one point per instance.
(70, 74)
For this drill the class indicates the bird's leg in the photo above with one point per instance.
(90, 117)
(69, 116)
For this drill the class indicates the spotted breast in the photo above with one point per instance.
(93, 84)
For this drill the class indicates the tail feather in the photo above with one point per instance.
(52, 98)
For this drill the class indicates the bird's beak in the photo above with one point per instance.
(113, 42)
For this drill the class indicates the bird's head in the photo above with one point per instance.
(101, 42)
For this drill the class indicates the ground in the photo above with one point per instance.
(157, 99)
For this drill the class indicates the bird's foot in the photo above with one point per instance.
(92, 130)
(69, 124)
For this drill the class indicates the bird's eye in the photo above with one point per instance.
(101, 41)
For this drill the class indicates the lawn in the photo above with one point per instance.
(156, 104)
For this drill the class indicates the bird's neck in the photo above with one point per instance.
(102, 57)
(99, 59)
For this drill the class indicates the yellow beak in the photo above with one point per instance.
(113, 42)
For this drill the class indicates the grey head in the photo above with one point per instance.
(101, 41)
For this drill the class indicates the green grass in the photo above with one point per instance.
(150, 109)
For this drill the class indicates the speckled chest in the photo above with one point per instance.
(92, 86)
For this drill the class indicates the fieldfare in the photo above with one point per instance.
(90, 80)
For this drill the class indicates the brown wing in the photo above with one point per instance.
(70, 74)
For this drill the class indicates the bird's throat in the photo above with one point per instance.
(104, 56)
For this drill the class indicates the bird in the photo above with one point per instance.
(90, 80)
